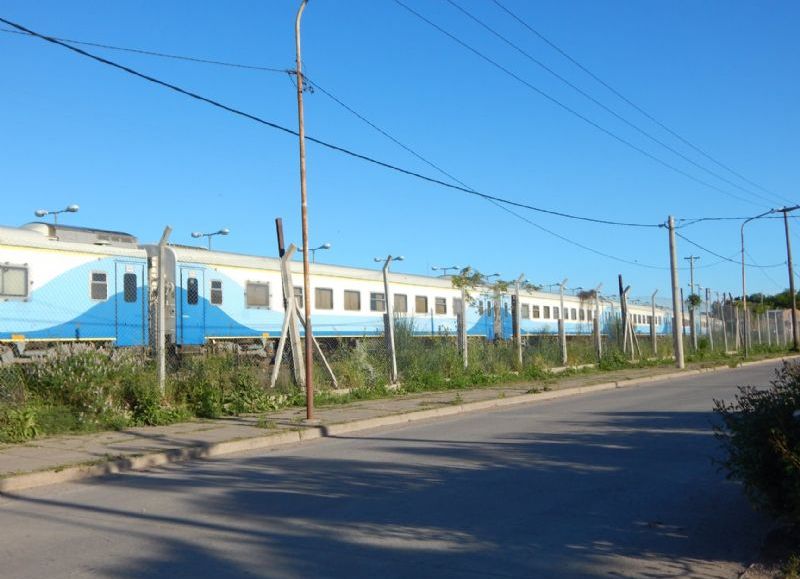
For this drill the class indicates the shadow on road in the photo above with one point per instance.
(618, 494)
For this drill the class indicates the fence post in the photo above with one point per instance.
(562, 330)
(517, 320)
(161, 323)
(461, 321)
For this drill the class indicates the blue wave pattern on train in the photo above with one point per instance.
(78, 284)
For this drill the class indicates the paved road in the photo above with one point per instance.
(615, 484)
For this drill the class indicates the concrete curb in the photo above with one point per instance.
(23, 481)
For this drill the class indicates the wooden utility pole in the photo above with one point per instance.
(624, 311)
(677, 309)
(724, 323)
(309, 377)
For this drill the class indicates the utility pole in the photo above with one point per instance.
(562, 330)
(304, 218)
(677, 309)
(786, 211)
(692, 328)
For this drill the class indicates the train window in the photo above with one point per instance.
(421, 304)
(377, 302)
(323, 298)
(129, 287)
(216, 292)
(535, 312)
(256, 294)
(400, 303)
(458, 306)
(546, 312)
(589, 315)
(298, 296)
(13, 281)
(99, 285)
(192, 291)
(555, 313)
(582, 314)
(525, 311)
(441, 306)
(574, 314)
(352, 300)
(480, 307)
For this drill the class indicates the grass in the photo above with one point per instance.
(87, 390)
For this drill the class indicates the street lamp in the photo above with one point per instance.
(388, 319)
(314, 250)
(744, 286)
(444, 268)
(198, 235)
(45, 212)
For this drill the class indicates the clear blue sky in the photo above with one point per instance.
(137, 157)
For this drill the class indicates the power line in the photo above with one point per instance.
(731, 260)
(326, 144)
(629, 102)
(600, 104)
(154, 53)
(570, 109)
(764, 271)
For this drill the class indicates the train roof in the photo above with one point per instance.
(70, 238)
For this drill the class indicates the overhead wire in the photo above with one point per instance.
(571, 110)
(321, 142)
(500, 202)
(600, 104)
(729, 259)
(154, 53)
(631, 103)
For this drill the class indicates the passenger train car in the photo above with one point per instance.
(66, 284)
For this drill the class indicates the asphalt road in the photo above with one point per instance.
(614, 484)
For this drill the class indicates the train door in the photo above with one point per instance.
(130, 304)
(191, 306)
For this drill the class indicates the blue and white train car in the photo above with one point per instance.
(223, 296)
(60, 284)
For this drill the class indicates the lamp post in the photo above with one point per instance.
(744, 284)
(314, 250)
(199, 234)
(389, 320)
(444, 269)
(45, 212)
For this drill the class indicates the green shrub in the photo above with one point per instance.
(760, 433)
(18, 424)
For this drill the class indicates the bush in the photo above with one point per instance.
(760, 432)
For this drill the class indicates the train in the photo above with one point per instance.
(65, 284)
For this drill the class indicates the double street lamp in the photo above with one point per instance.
(444, 269)
(198, 234)
(68, 209)
(314, 250)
